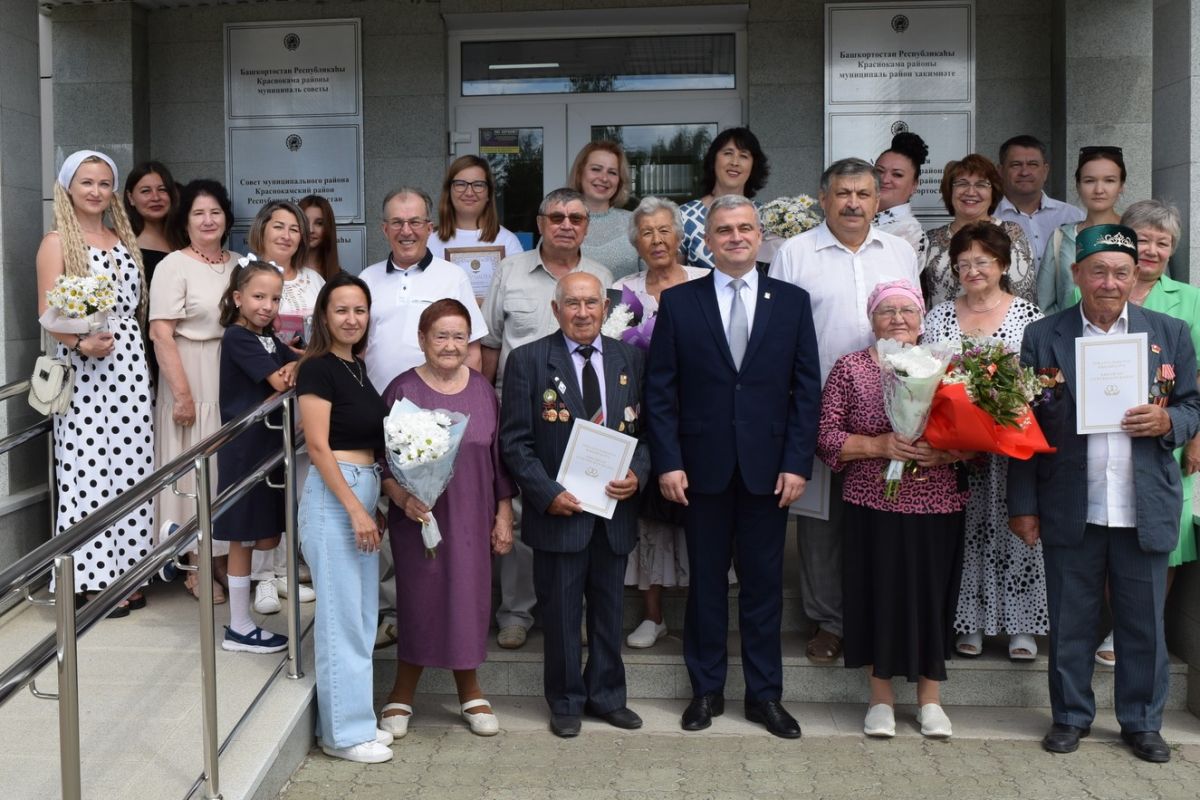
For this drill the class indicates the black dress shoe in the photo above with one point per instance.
(1148, 746)
(619, 717)
(1063, 738)
(772, 715)
(699, 713)
(564, 725)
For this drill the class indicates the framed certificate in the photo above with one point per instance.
(1113, 377)
(815, 500)
(479, 263)
(594, 456)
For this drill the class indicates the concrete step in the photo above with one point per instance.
(659, 672)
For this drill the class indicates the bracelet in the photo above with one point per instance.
(78, 342)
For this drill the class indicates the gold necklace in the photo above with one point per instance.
(992, 307)
(357, 377)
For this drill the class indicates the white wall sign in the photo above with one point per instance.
(288, 162)
(293, 69)
(901, 66)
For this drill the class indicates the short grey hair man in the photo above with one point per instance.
(727, 202)
(561, 197)
(848, 167)
(409, 191)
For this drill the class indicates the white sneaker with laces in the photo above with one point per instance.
(371, 752)
(646, 634)
(266, 600)
(307, 595)
(934, 722)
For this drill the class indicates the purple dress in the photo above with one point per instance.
(443, 604)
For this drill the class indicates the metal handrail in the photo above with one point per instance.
(43, 427)
(62, 645)
(42, 557)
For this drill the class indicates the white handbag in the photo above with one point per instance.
(51, 385)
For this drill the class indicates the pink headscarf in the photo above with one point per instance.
(900, 288)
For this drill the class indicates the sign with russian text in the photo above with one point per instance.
(289, 162)
(305, 68)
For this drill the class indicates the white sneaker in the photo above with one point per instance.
(934, 722)
(646, 634)
(266, 600)
(307, 595)
(880, 721)
(383, 737)
(482, 724)
(371, 752)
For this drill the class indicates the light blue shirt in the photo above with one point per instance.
(597, 364)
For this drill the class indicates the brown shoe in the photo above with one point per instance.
(824, 647)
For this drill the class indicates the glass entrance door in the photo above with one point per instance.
(531, 147)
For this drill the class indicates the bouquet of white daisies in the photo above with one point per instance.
(79, 305)
(910, 375)
(421, 447)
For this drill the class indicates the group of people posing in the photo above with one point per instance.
(754, 371)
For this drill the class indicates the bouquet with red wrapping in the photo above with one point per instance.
(984, 403)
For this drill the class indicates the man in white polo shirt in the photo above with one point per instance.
(838, 263)
(402, 286)
(1025, 167)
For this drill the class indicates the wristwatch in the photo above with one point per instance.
(78, 341)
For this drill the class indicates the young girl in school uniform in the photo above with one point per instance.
(254, 365)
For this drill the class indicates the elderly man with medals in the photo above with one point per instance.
(1106, 504)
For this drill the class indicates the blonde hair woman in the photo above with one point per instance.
(104, 443)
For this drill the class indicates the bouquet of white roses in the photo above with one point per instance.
(910, 375)
(78, 305)
(421, 447)
(790, 216)
(620, 319)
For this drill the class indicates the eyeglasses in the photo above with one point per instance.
(907, 312)
(557, 218)
(479, 187)
(443, 338)
(1100, 149)
(416, 223)
(979, 265)
(979, 186)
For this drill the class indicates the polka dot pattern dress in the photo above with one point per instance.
(104, 444)
(1003, 587)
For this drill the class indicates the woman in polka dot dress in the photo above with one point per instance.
(104, 444)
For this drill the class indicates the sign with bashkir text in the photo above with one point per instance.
(305, 68)
(901, 66)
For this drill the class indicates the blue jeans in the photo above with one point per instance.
(347, 582)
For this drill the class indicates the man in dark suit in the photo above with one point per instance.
(733, 394)
(1106, 505)
(575, 373)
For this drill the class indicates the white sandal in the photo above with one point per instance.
(483, 723)
(969, 644)
(1107, 647)
(1022, 641)
(396, 724)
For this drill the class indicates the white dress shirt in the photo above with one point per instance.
(725, 298)
(398, 296)
(597, 364)
(1040, 225)
(839, 281)
(1110, 473)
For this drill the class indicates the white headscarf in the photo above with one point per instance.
(69, 167)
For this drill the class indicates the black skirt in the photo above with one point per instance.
(900, 576)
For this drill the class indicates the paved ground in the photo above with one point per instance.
(441, 760)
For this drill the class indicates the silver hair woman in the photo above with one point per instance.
(104, 443)
(656, 231)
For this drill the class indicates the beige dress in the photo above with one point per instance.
(189, 291)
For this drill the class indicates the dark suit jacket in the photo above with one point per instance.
(706, 417)
(1053, 486)
(533, 448)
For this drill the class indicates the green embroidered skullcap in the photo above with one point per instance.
(1105, 238)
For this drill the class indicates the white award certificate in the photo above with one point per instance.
(594, 456)
(815, 500)
(1113, 377)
